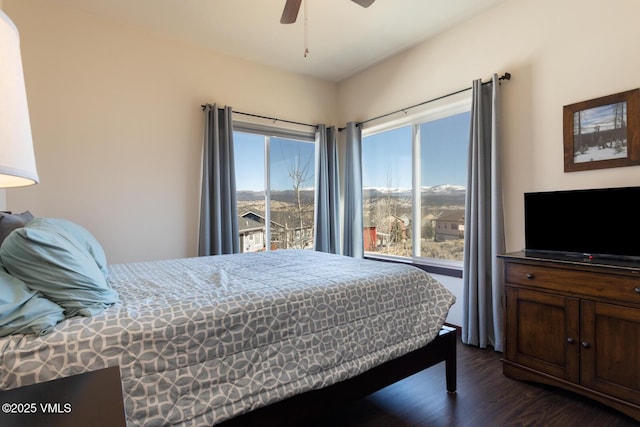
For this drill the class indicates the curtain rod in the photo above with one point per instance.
(273, 119)
(505, 76)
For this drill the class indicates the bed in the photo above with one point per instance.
(200, 341)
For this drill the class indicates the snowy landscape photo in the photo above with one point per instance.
(600, 133)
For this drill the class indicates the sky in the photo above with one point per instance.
(601, 118)
(248, 150)
(386, 157)
(285, 156)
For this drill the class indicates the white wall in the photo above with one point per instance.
(117, 124)
(454, 285)
(559, 53)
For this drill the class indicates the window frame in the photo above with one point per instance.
(268, 132)
(440, 109)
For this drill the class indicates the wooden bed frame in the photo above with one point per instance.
(294, 410)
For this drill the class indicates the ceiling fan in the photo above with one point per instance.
(292, 7)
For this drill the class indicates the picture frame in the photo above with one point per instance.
(602, 132)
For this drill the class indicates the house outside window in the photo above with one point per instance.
(414, 179)
(251, 234)
(275, 176)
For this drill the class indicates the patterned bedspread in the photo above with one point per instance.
(200, 340)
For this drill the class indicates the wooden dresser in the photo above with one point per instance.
(575, 323)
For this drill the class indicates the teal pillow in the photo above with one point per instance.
(23, 311)
(53, 262)
(80, 234)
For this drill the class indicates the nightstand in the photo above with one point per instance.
(92, 399)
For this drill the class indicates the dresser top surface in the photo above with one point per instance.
(584, 261)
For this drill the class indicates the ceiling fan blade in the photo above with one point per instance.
(290, 12)
(364, 3)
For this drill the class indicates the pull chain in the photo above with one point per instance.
(306, 30)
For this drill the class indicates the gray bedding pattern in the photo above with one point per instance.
(199, 340)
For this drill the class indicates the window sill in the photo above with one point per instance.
(430, 265)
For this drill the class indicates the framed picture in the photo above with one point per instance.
(602, 132)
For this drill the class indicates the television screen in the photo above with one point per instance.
(596, 222)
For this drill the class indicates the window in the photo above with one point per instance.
(414, 179)
(275, 177)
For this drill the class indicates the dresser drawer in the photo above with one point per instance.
(620, 288)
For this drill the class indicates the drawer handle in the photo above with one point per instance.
(570, 340)
(585, 344)
(533, 276)
(636, 290)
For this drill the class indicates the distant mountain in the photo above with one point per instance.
(441, 188)
(287, 196)
(443, 194)
(445, 188)
(435, 189)
(437, 195)
(250, 196)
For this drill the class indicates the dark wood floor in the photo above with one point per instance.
(485, 397)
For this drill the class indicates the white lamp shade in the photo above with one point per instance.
(17, 162)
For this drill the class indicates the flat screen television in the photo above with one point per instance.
(595, 223)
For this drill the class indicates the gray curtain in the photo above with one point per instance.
(484, 223)
(218, 215)
(327, 194)
(353, 242)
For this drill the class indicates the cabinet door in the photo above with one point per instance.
(542, 332)
(610, 341)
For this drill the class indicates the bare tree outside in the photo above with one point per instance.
(300, 171)
(394, 215)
